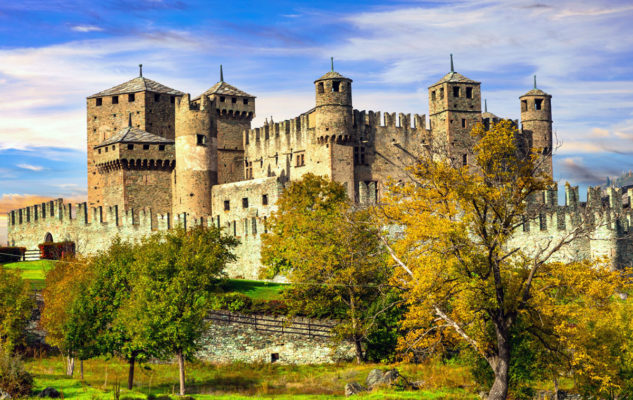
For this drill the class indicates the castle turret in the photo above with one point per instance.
(333, 129)
(196, 156)
(455, 108)
(536, 123)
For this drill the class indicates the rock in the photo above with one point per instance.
(375, 377)
(483, 395)
(4, 395)
(353, 388)
(390, 377)
(50, 392)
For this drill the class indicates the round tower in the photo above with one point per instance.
(196, 157)
(334, 116)
(536, 123)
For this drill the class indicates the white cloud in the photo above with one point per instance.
(30, 167)
(86, 28)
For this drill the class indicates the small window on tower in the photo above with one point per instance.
(336, 86)
(320, 88)
(172, 99)
(115, 99)
(264, 199)
(130, 147)
(245, 202)
(146, 147)
(524, 105)
(465, 160)
(455, 91)
(222, 99)
(538, 104)
(227, 205)
(463, 122)
(234, 100)
(433, 95)
(441, 93)
(469, 93)
(130, 98)
(245, 101)
(156, 97)
(161, 147)
(201, 140)
(99, 101)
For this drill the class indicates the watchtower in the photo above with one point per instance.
(536, 124)
(454, 109)
(334, 129)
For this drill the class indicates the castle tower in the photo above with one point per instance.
(152, 106)
(455, 108)
(333, 129)
(196, 157)
(536, 123)
(234, 111)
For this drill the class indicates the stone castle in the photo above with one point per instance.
(159, 158)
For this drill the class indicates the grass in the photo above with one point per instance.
(256, 289)
(32, 271)
(242, 381)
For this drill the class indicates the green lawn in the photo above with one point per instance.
(243, 381)
(255, 289)
(32, 271)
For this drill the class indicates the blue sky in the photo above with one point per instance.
(55, 53)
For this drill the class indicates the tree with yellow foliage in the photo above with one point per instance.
(465, 280)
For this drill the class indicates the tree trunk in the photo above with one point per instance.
(130, 375)
(70, 365)
(181, 365)
(501, 366)
(359, 351)
(81, 369)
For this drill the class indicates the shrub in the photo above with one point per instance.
(11, 254)
(236, 302)
(14, 379)
(56, 251)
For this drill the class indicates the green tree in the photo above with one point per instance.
(16, 307)
(466, 279)
(177, 273)
(332, 254)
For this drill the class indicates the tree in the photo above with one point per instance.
(16, 307)
(464, 278)
(64, 283)
(177, 273)
(332, 254)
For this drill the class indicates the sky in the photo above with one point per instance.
(55, 53)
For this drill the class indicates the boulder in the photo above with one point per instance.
(390, 377)
(353, 388)
(4, 395)
(378, 377)
(49, 392)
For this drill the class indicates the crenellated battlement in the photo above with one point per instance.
(378, 119)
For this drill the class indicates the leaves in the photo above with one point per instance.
(16, 307)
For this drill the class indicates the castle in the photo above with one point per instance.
(159, 158)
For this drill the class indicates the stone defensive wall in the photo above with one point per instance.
(93, 229)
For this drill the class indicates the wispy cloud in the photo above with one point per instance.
(30, 167)
(86, 28)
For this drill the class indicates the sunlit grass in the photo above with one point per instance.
(32, 271)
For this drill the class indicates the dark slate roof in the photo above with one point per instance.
(332, 75)
(224, 89)
(489, 115)
(134, 135)
(454, 77)
(138, 84)
(536, 92)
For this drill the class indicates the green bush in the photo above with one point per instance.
(14, 379)
(235, 302)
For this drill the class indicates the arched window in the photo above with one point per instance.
(48, 238)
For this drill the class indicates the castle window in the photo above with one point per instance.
(99, 151)
(233, 100)
(99, 101)
(201, 140)
(245, 101)
(222, 99)
(106, 149)
(265, 226)
(227, 205)
(245, 226)
(433, 95)
(244, 202)
(254, 225)
(146, 147)
(130, 98)
(487, 123)
(264, 199)
(301, 160)
(336, 86)
(161, 147)
(156, 97)
(524, 105)
(463, 122)
(538, 104)
(469, 93)
(320, 88)
(172, 99)
(115, 99)
(234, 229)
(113, 147)
(441, 93)
(455, 91)
(359, 155)
(465, 160)
(130, 147)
